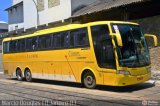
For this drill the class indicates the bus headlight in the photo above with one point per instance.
(123, 72)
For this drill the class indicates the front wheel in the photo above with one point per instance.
(89, 80)
(28, 75)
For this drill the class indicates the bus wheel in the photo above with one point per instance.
(89, 80)
(28, 75)
(19, 75)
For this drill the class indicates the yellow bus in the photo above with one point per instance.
(98, 53)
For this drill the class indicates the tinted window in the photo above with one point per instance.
(45, 41)
(6, 47)
(64, 39)
(57, 40)
(13, 45)
(79, 38)
(103, 46)
(21, 45)
(60, 40)
(31, 43)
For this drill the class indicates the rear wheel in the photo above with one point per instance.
(19, 75)
(89, 80)
(28, 75)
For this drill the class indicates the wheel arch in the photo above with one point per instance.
(18, 68)
(27, 68)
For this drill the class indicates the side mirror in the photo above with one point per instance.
(154, 37)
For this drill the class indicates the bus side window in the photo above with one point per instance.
(56, 41)
(13, 45)
(44, 42)
(6, 47)
(48, 41)
(79, 38)
(18, 45)
(34, 43)
(22, 45)
(29, 44)
(64, 39)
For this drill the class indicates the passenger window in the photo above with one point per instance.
(13, 45)
(45, 41)
(79, 38)
(31, 44)
(34, 43)
(6, 47)
(64, 39)
(21, 45)
(60, 40)
(57, 40)
(18, 45)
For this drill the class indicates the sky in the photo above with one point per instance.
(3, 5)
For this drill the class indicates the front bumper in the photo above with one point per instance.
(125, 80)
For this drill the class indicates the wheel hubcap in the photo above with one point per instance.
(89, 80)
(28, 75)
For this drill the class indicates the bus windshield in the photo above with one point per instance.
(134, 52)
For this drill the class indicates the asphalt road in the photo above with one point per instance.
(46, 92)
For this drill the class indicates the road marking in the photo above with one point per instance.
(1, 72)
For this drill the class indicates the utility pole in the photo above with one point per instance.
(37, 13)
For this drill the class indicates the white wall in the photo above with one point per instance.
(48, 15)
(30, 14)
(12, 27)
(61, 12)
(16, 18)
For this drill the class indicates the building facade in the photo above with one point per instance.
(26, 14)
(3, 32)
(3, 27)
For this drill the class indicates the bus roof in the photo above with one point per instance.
(66, 27)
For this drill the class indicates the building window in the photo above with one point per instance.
(40, 5)
(53, 3)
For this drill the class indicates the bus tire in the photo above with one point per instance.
(89, 80)
(19, 74)
(28, 75)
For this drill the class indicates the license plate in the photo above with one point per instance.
(140, 78)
